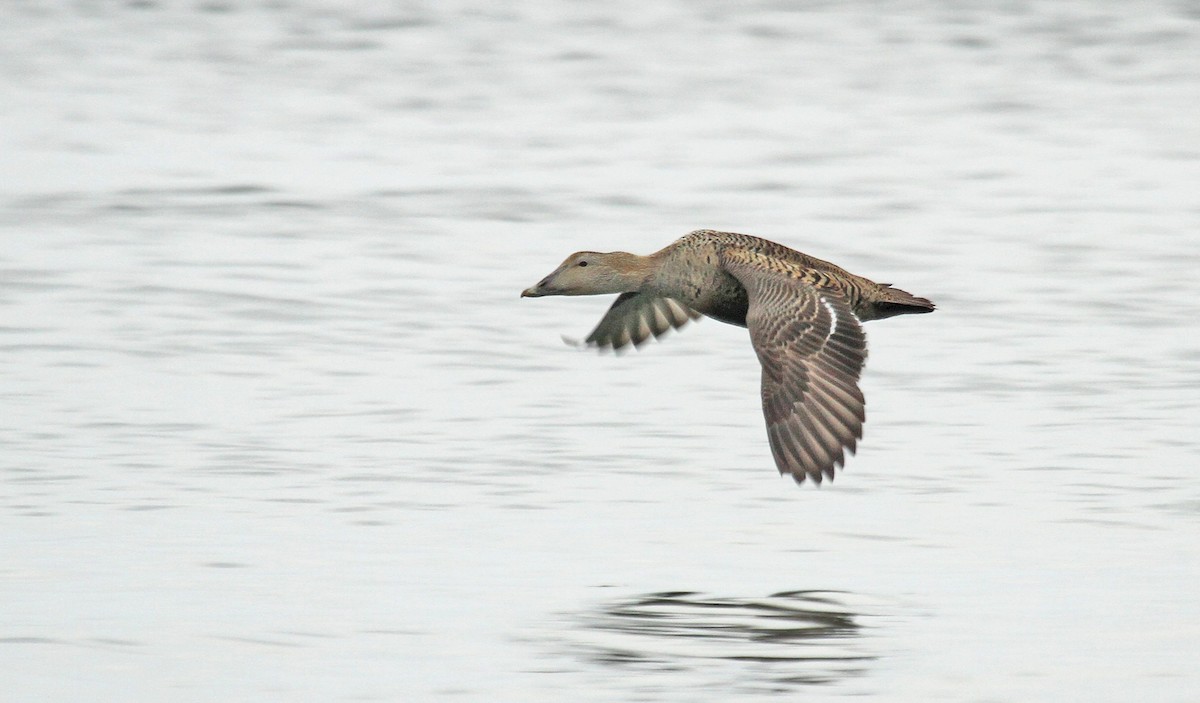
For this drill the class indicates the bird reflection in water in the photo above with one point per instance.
(786, 640)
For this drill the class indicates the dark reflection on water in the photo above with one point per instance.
(769, 644)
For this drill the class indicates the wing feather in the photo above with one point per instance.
(812, 350)
(635, 317)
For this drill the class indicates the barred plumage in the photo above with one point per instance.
(804, 316)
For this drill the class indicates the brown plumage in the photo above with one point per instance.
(804, 317)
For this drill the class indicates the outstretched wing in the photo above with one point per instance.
(635, 317)
(812, 351)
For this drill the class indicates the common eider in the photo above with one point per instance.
(804, 316)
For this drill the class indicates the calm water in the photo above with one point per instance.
(276, 425)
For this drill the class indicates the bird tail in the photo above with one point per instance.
(890, 302)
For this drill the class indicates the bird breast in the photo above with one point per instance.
(709, 290)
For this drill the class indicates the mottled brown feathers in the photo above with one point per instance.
(812, 350)
(635, 317)
(804, 316)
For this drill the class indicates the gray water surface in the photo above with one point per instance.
(276, 425)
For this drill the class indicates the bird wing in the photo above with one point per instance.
(635, 317)
(812, 351)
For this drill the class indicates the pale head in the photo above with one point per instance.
(593, 273)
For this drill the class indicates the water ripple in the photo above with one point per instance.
(785, 640)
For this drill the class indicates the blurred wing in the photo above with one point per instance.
(812, 351)
(635, 317)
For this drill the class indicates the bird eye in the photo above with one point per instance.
(583, 263)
